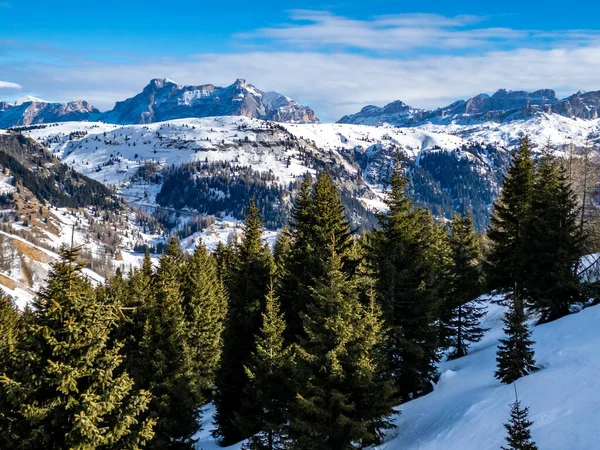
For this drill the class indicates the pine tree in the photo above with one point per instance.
(515, 355)
(224, 257)
(137, 301)
(518, 429)
(281, 253)
(9, 328)
(506, 264)
(339, 399)
(63, 391)
(165, 365)
(247, 285)
(205, 307)
(269, 371)
(553, 242)
(404, 264)
(317, 220)
(462, 311)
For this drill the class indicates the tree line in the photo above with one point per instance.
(310, 345)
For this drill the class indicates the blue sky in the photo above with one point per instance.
(336, 56)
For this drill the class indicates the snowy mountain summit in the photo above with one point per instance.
(502, 106)
(30, 111)
(163, 99)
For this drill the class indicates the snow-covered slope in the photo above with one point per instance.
(468, 406)
(115, 154)
(359, 155)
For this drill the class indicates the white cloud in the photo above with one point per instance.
(9, 85)
(399, 33)
(333, 84)
(336, 81)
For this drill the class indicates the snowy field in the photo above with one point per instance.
(468, 406)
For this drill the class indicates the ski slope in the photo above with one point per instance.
(468, 406)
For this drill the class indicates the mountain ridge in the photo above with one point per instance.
(502, 106)
(163, 99)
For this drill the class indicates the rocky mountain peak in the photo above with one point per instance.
(504, 105)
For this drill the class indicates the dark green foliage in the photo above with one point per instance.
(317, 221)
(205, 306)
(281, 252)
(515, 355)
(518, 429)
(63, 390)
(461, 180)
(506, 263)
(340, 399)
(224, 257)
(223, 188)
(461, 312)
(247, 282)
(271, 385)
(553, 242)
(9, 328)
(165, 365)
(405, 259)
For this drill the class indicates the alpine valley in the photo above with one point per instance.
(188, 159)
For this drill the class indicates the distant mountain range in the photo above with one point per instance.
(163, 99)
(503, 106)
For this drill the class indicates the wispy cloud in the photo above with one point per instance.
(6, 5)
(333, 84)
(326, 72)
(321, 30)
(9, 85)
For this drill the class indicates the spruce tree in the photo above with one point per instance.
(137, 300)
(281, 253)
(506, 265)
(9, 328)
(317, 220)
(63, 391)
(165, 365)
(462, 312)
(247, 285)
(224, 258)
(553, 242)
(515, 355)
(205, 307)
(339, 401)
(269, 371)
(404, 264)
(518, 429)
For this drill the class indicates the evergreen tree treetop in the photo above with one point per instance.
(518, 428)
(64, 388)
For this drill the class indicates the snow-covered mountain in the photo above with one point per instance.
(31, 111)
(202, 164)
(502, 106)
(163, 99)
(44, 204)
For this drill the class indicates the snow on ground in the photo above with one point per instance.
(468, 406)
(222, 231)
(540, 128)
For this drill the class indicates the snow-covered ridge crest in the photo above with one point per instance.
(164, 99)
(503, 106)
